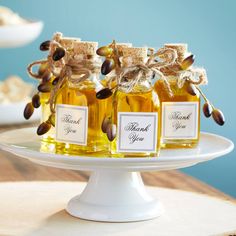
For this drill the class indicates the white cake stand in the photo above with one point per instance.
(115, 191)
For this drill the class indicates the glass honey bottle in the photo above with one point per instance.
(68, 44)
(179, 116)
(79, 114)
(135, 110)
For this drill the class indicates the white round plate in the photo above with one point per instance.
(19, 35)
(12, 113)
(210, 146)
(115, 191)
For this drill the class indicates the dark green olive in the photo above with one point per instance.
(42, 68)
(58, 54)
(104, 93)
(44, 46)
(207, 109)
(105, 51)
(55, 81)
(43, 128)
(107, 66)
(111, 132)
(191, 89)
(36, 101)
(187, 62)
(44, 88)
(51, 119)
(218, 117)
(28, 111)
(105, 122)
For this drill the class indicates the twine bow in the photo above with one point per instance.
(129, 77)
(72, 68)
(194, 75)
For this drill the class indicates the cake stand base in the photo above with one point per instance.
(115, 191)
(115, 196)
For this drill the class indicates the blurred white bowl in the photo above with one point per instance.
(12, 113)
(19, 35)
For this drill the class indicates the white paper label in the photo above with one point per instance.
(71, 124)
(137, 131)
(180, 120)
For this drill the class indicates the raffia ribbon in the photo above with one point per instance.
(129, 77)
(76, 71)
(196, 76)
(72, 68)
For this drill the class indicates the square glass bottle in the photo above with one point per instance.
(179, 116)
(135, 110)
(79, 114)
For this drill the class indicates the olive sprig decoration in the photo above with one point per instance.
(111, 62)
(48, 82)
(187, 62)
(108, 127)
(45, 126)
(208, 108)
(111, 54)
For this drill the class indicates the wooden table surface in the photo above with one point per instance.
(19, 169)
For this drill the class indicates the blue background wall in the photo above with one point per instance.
(209, 27)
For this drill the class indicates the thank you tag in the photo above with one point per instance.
(180, 120)
(71, 124)
(137, 132)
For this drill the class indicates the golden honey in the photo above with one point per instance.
(179, 95)
(146, 101)
(84, 95)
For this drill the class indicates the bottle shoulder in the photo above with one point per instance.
(178, 93)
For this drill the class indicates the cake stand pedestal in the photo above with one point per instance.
(115, 191)
(115, 196)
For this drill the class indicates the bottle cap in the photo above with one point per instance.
(86, 48)
(134, 55)
(68, 42)
(181, 49)
(121, 46)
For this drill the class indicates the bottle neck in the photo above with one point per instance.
(92, 82)
(143, 84)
